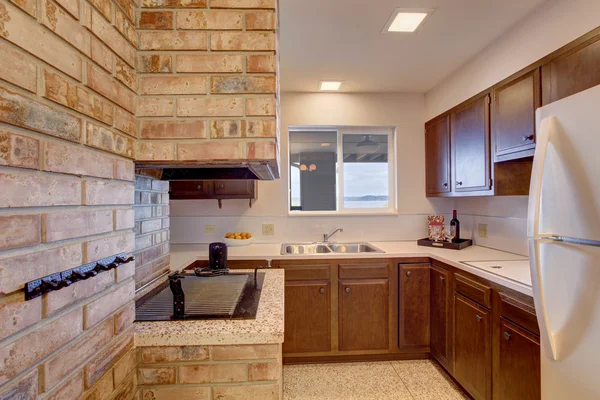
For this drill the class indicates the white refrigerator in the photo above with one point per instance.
(564, 245)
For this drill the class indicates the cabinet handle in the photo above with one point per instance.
(221, 186)
(459, 183)
(445, 184)
(477, 317)
(322, 290)
(507, 335)
(526, 138)
(199, 187)
(347, 290)
(408, 273)
(441, 278)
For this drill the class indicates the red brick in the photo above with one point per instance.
(242, 41)
(155, 63)
(266, 371)
(102, 55)
(157, 20)
(104, 193)
(173, 40)
(128, 388)
(104, 139)
(25, 388)
(125, 122)
(242, 4)
(262, 392)
(265, 150)
(104, 6)
(224, 129)
(210, 151)
(259, 128)
(177, 392)
(113, 39)
(71, 6)
(26, 113)
(125, 366)
(18, 270)
(124, 170)
(171, 129)
(77, 160)
(68, 225)
(209, 63)
(174, 3)
(173, 85)
(29, 6)
(27, 33)
(106, 247)
(126, 74)
(110, 89)
(124, 219)
(212, 20)
(126, 28)
(33, 189)
(17, 68)
(210, 106)
(154, 107)
(101, 390)
(61, 23)
(57, 300)
(101, 308)
(77, 352)
(17, 314)
(71, 389)
(261, 106)
(75, 97)
(212, 373)
(19, 231)
(24, 352)
(127, 8)
(245, 352)
(260, 21)
(154, 151)
(243, 84)
(156, 376)
(261, 64)
(125, 317)
(19, 151)
(106, 358)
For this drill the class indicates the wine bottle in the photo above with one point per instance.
(454, 227)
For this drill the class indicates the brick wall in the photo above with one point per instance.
(207, 81)
(151, 228)
(67, 132)
(251, 372)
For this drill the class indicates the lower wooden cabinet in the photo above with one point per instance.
(516, 363)
(414, 304)
(440, 316)
(364, 314)
(472, 347)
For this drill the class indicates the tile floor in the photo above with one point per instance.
(398, 380)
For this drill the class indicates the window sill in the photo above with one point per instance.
(361, 213)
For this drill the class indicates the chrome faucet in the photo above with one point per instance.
(327, 236)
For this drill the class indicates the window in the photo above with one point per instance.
(342, 170)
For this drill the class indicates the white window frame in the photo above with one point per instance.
(352, 130)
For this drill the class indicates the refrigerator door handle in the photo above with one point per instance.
(579, 242)
(537, 175)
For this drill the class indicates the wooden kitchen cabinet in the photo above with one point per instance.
(514, 108)
(441, 316)
(223, 190)
(437, 156)
(414, 310)
(470, 136)
(472, 347)
(307, 309)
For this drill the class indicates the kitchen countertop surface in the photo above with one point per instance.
(266, 328)
(516, 277)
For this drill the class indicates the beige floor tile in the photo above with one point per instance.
(348, 381)
(426, 380)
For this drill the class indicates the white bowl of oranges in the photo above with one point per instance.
(234, 239)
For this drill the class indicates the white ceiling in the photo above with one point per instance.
(342, 40)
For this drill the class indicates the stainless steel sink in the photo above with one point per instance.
(323, 248)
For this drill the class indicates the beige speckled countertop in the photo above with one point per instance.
(266, 328)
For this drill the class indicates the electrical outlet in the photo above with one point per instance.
(268, 229)
(210, 229)
(482, 230)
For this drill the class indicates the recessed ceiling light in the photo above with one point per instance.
(330, 85)
(406, 20)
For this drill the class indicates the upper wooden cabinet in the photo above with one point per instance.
(229, 189)
(572, 69)
(514, 108)
(470, 132)
(437, 155)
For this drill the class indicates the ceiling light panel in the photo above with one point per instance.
(330, 85)
(406, 20)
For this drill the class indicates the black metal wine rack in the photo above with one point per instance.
(66, 278)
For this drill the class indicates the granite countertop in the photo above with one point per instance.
(266, 328)
(183, 255)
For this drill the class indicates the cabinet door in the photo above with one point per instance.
(471, 145)
(364, 314)
(190, 189)
(472, 348)
(437, 156)
(517, 364)
(234, 188)
(307, 317)
(572, 71)
(514, 116)
(441, 299)
(414, 305)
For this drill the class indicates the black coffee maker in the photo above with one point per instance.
(217, 256)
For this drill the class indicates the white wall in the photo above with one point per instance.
(403, 111)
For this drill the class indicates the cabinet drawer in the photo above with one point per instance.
(307, 272)
(360, 271)
(473, 290)
(234, 188)
(520, 313)
(190, 188)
